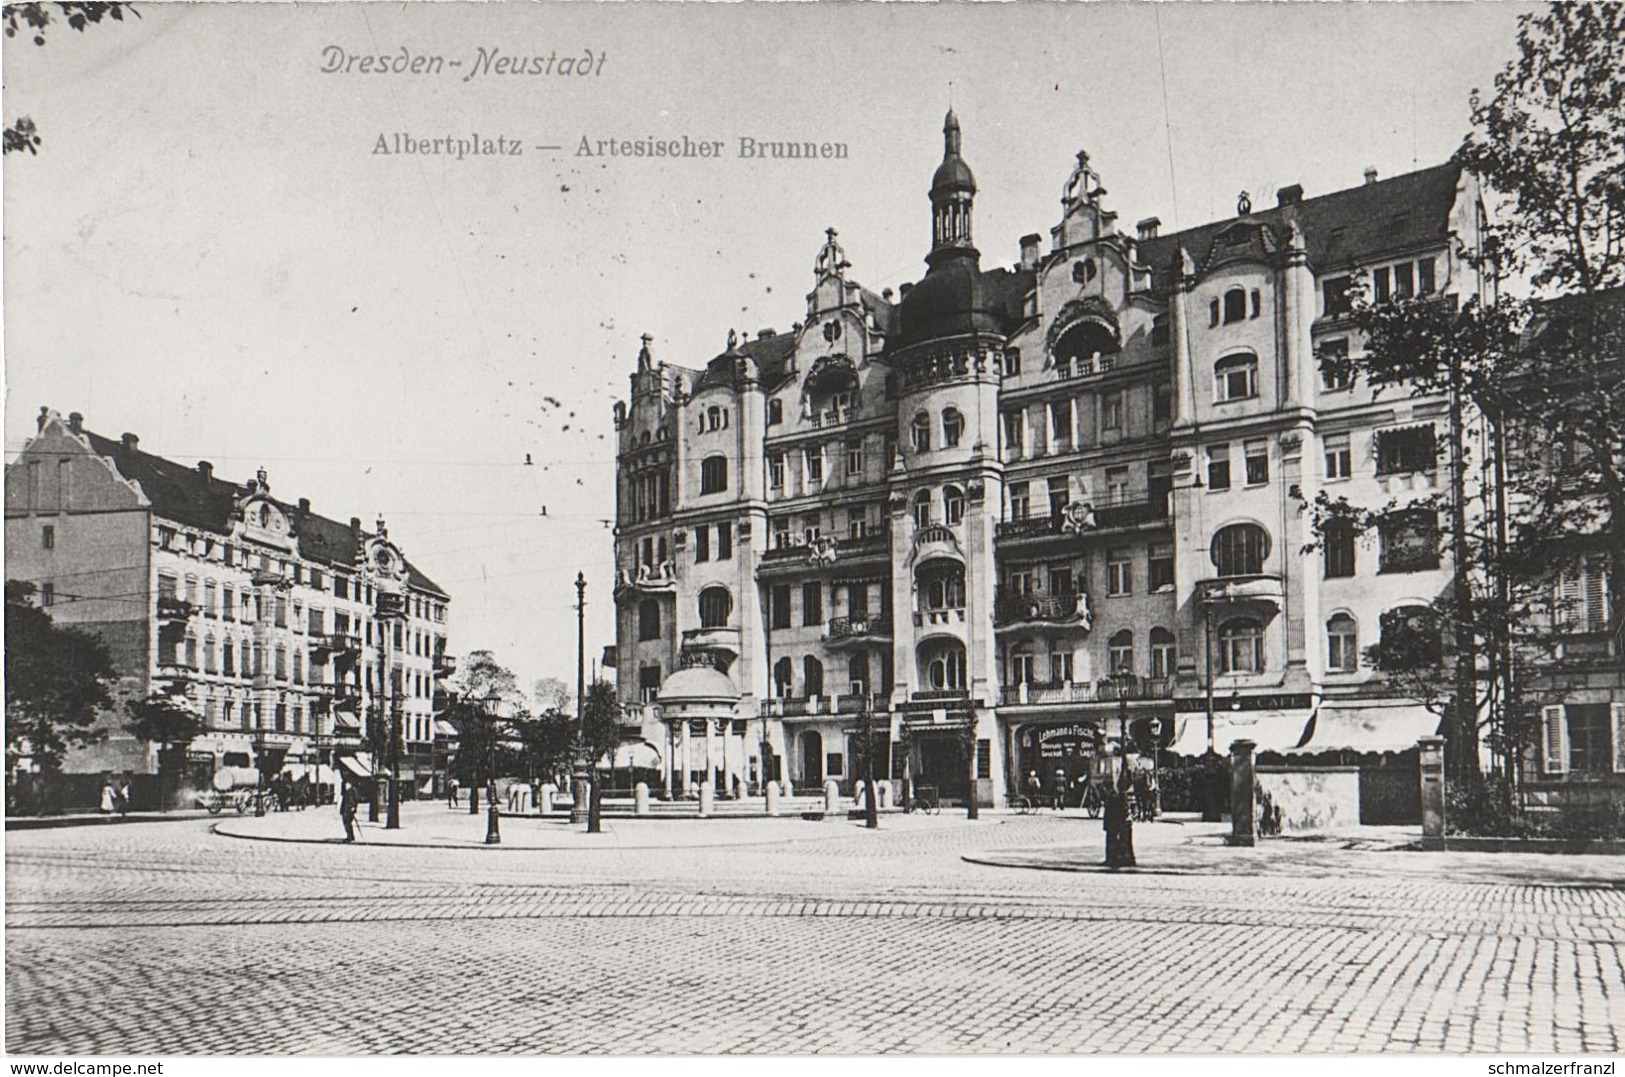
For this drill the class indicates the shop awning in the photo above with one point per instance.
(346, 720)
(359, 764)
(445, 729)
(1272, 731)
(1368, 729)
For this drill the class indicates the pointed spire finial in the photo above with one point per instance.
(950, 134)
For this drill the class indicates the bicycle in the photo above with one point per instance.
(925, 802)
(1023, 805)
(1094, 802)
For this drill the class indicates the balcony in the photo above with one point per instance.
(1011, 609)
(942, 618)
(1262, 592)
(830, 550)
(861, 628)
(935, 541)
(661, 577)
(1084, 518)
(171, 608)
(1036, 693)
(444, 665)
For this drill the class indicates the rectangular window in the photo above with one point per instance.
(1424, 277)
(1382, 288)
(1406, 450)
(1218, 467)
(47, 537)
(648, 683)
(814, 459)
(47, 594)
(1341, 656)
(1410, 541)
(1058, 495)
(854, 458)
(1021, 667)
(1160, 567)
(1120, 572)
(1014, 431)
(1060, 580)
(1021, 581)
(984, 759)
(1020, 502)
(1162, 404)
(778, 602)
(1334, 369)
(1336, 291)
(1258, 463)
(1060, 667)
(1337, 547)
(1111, 411)
(702, 544)
(775, 471)
(781, 534)
(1117, 486)
(1404, 284)
(812, 604)
(725, 541)
(1339, 460)
(834, 763)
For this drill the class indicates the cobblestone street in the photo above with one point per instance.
(793, 936)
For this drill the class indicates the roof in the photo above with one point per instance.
(771, 355)
(698, 684)
(187, 496)
(956, 297)
(1341, 230)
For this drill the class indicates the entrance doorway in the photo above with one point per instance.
(943, 764)
(812, 759)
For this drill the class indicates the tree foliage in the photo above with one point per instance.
(57, 679)
(552, 694)
(600, 736)
(546, 746)
(32, 19)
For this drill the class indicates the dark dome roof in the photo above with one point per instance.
(953, 174)
(952, 299)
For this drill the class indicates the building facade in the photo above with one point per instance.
(1012, 514)
(288, 632)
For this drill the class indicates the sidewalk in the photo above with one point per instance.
(46, 822)
(431, 825)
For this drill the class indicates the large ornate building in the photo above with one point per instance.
(285, 630)
(968, 512)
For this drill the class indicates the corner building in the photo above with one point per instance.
(960, 516)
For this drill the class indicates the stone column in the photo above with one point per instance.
(1430, 763)
(1243, 830)
(683, 761)
(772, 798)
(710, 767)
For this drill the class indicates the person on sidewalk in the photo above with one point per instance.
(347, 810)
(108, 803)
(451, 793)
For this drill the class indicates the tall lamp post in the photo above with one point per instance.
(493, 825)
(580, 789)
(1118, 823)
(871, 809)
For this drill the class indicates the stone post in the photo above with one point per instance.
(1243, 828)
(858, 790)
(544, 799)
(706, 798)
(772, 798)
(640, 799)
(1430, 764)
(832, 796)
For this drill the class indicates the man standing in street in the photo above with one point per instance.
(347, 810)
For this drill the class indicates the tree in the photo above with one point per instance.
(1545, 375)
(32, 19)
(546, 745)
(600, 736)
(57, 680)
(552, 694)
(483, 703)
(160, 720)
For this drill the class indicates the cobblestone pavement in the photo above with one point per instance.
(787, 936)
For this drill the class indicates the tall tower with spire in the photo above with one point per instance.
(952, 190)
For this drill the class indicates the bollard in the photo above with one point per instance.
(858, 789)
(640, 799)
(1430, 760)
(832, 797)
(1242, 823)
(772, 798)
(544, 799)
(884, 791)
(706, 797)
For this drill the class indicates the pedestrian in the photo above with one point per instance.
(1034, 787)
(347, 810)
(451, 793)
(1060, 788)
(121, 798)
(108, 804)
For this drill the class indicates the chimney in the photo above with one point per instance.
(131, 442)
(1289, 196)
(355, 524)
(1149, 227)
(205, 469)
(304, 506)
(1031, 246)
(903, 290)
(76, 422)
(1370, 174)
(763, 334)
(886, 294)
(44, 417)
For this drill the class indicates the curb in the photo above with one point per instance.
(52, 822)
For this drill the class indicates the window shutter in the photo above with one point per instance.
(1617, 713)
(1596, 606)
(1555, 739)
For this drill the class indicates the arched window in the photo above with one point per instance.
(1241, 646)
(1120, 651)
(713, 474)
(944, 665)
(649, 619)
(775, 412)
(1342, 644)
(953, 504)
(922, 508)
(783, 672)
(713, 419)
(920, 433)
(812, 671)
(1235, 305)
(716, 605)
(942, 586)
(1240, 550)
(1078, 350)
(1162, 653)
(953, 426)
(1235, 377)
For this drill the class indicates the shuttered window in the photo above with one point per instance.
(1554, 738)
(1581, 596)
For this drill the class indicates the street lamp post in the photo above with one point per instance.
(1118, 824)
(871, 809)
(259, 760)
(580, 790)
(493, 825)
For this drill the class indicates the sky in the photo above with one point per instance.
(209, 251)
